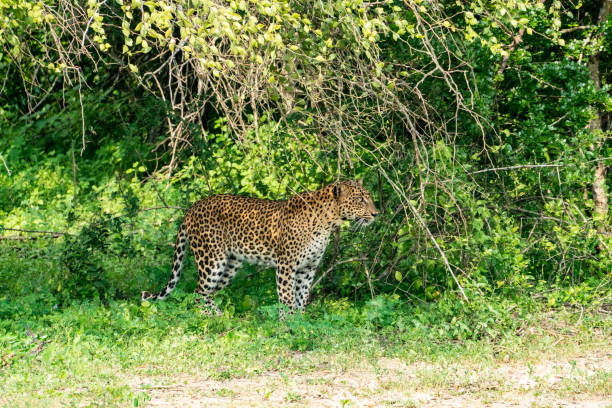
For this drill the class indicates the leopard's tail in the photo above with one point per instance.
(177, 266)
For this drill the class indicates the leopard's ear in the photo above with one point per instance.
(340, 190)
(360, 182)
(336, 191)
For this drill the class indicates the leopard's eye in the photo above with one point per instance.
(363, 200)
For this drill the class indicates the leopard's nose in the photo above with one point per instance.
(374, 213)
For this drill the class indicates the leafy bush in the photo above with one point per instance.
(84, 276)
(382, 310)
(479, 154)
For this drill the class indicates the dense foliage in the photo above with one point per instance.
(478, 126)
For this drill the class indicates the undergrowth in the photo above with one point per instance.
(85, 349)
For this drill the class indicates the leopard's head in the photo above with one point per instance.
(354, 202)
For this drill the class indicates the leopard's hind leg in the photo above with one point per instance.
(231, 268)
(211, 262)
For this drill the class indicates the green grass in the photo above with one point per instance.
(91, 353)
(59, 351)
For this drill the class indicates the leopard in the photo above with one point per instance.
(290, 235)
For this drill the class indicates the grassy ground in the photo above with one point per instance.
(498, 350)
(380, 353)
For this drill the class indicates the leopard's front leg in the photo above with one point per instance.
(285, 277)
(303, 283)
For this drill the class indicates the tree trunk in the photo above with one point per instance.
(600, 198)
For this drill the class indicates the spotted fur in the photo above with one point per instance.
(291, 235)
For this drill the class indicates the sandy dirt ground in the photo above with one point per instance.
(579, 381)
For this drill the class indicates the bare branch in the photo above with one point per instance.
(522, 166)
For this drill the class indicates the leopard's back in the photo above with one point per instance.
(245, 227)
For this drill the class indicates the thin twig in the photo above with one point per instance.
(165, 207)
(515, 42)
(74, 176)
(333, 266)
(572, 29)
(429, 234)
(522, 166)
(22, 238)
(34, 231)
(82, 112)
(89, 24)
(5, 166)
